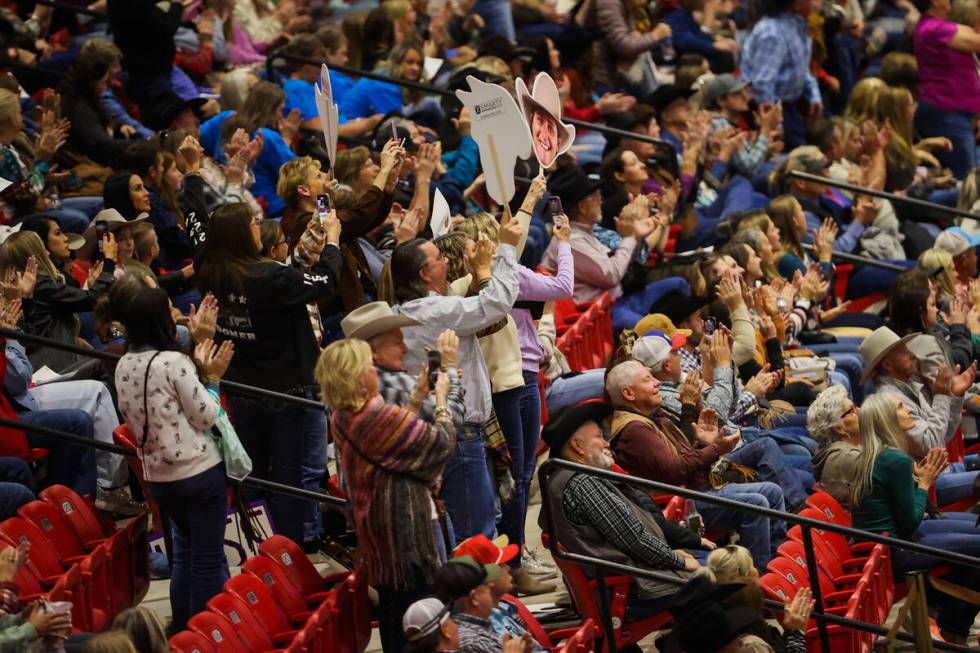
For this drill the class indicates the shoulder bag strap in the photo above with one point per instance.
(146, 412)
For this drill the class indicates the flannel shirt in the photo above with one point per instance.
(306, 253)
(396, 387)
(744, 401)
(589, 500)
(749, 157)
(776, 60)
(476, 635)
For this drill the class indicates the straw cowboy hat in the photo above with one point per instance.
(876, 346)
(544, 96)
(114, 220)
(373, 319)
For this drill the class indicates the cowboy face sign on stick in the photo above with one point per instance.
(542, 111)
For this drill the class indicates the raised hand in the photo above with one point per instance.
(510, 232)
(331, 227)
(760, 384)
(730, 291)
(11, 314)
(479, 258)
(202, 322)
(962, 381)
(943, 383)
(797, 611)
(690, 390)
(215, 360)
(447, 344)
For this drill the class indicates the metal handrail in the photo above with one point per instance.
(553, 465)
(863, 260)
(891, 197)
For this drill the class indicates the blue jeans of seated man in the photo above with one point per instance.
(869, 279)
(197, 508)
(16, 482)
(497, 17)
(467, 488)
(273, 434)
(69, 464)
(957, 126)
(572, 390)
(787, 442)
(955, 484)
(757, 533)
(768, 461)
(314, 464)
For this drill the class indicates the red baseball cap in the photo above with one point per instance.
(487, 551)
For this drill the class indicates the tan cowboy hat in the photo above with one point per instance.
(544, 95)
(114, 219)
(373, 319)
(876, 346)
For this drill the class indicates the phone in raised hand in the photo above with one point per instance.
(322, 206)
(101, 235)
(435, 364)
(555, 208)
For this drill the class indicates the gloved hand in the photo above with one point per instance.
(506, 487)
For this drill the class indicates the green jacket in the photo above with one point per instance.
(15, 634)
(895, 504)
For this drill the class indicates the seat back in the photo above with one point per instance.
(274, 576)
(352, 613)
(78, 512)
(776, 587)
(246, 624)
(830, 507)
(676, 509)
(43, 556)
(260, 601)
(55, 527)
(220, 632)
(123, 436)
(188, 641)
(291, 558)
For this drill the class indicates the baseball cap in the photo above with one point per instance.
(487, 551)
(423, 618)
(719, 86)
(460, 576)
(653, 348)
(956, 241)
(659, 322)
(807, 158)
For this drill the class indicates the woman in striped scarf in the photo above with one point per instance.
(390, 458)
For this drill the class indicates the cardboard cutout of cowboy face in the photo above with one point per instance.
(541, 108)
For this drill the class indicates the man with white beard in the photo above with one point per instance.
(613, 521)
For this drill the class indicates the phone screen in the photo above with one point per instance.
(101, 234)
(322, 205)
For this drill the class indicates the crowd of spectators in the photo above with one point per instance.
(163, 176)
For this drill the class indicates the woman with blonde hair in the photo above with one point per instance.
(733, 565)
(112, 641)
(370, 96)
(864, 98)
(389, 459)
(143, 628)
(890, 495)
(938, 263)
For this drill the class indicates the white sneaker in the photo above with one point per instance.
(537, 566)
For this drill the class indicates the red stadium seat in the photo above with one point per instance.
(81, 514)
(287, 596)
(299, 569)
(352, 614)
(263, 604)
(187, 641)
(220, 632)
(829, 506)
(247, 625)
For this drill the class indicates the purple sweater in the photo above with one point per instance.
(534, 287)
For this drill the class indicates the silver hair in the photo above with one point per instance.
(825, 413)
(619, 377)
(751, 236)
(234, 88)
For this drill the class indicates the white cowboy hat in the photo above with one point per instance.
(544, 95)
(114, 220)
(373, 319)
(876, 346)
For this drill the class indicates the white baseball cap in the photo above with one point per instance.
(956, 241)
(655, 347)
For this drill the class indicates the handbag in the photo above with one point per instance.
(238, 465)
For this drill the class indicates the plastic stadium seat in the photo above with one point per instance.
(219, 632)
(829, 506)
(287, 596)
(352, 613)
(123, 436)
(299, 569)
(187, 641)
(263, 604)
(583, 640)
(42, 557)
(81, 515)
(247, 625)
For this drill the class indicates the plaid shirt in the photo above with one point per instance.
(476, 635)
(776, 60)
(396, 387)
(590, 500)
(691, 360)
(749, 157)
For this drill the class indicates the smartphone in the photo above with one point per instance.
(322, 206)
(394, 131)
(435, 365)
(695, 524)
(555, 208)
(101, 235)
(710, 325)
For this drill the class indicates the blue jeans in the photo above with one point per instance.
(575, 389)
(197, 508)
(70, 464)
(16, 482)
(757, 533)
(955, 484)
(467, 488)
(957, 126)
(868, 279)
(794, 125)
(90, 206)
(273, 434)
(630, 309)
(736, 195)
(523, 460)
(497, 18)
(764, 456)
(314, 465)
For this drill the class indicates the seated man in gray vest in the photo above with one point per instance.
(615, 522)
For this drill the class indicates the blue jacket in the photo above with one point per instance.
(368, 97)
(275, 152)
(687, 33)
(211, 135)
(17, 381)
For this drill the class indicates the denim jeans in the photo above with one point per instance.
(736, 195)
(197, 508)
(572, 390)
(955, 484)
(764, 456)
(522, 443)
(273, 435)
(956, 533)
(467, 488)
(16, 482)
(497, 18)
(957, 126)
(757, 533)
(868, 279)
(90, 206)
(69, 464)
(314, 465)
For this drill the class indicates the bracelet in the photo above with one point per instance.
(214, 379)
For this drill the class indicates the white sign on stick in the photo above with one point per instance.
(439, 222)
(329, 113)
(499, 131)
